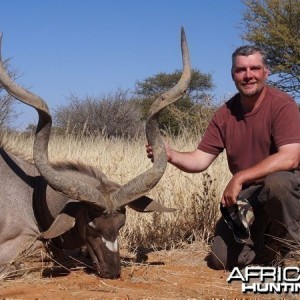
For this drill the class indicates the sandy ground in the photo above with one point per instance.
(173, 274)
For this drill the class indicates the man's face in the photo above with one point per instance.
(249, 74)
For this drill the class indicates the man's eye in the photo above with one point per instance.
(239, 70)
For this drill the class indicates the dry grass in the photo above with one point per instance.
(195, 196)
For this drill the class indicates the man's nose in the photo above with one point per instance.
(248, 73)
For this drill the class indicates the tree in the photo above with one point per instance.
(274, 25)
(182, 114)
(110, 115)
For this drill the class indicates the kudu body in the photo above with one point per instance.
(71, 204)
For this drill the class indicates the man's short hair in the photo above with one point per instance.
(248, 50)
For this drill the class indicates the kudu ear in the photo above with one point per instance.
(146, 204)
(64, 221)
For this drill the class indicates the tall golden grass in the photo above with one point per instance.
(195, 196)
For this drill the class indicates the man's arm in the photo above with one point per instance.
(191, 162)
(287, 158)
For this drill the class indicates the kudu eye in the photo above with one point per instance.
(121, 210)
(91, 224)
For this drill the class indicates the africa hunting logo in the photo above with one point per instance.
(265, 280)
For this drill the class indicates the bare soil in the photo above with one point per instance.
(173, 274)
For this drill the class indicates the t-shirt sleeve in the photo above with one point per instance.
(286, 125)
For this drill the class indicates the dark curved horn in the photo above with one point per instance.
(73, 189)
(144, 182)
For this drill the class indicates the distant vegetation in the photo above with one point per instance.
(274, 25)
(121, 114)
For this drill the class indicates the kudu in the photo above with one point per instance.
(71, 204)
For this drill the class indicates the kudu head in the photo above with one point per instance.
(98, 211)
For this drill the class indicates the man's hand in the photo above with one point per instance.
(231, 192)
(149, 151)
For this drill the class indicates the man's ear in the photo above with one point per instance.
(267, 72)
(231, 72)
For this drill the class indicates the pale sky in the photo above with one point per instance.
(94, 47)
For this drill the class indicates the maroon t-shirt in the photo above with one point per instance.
(251, 137)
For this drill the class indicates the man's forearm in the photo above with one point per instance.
(281, 161)
(191, 162)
